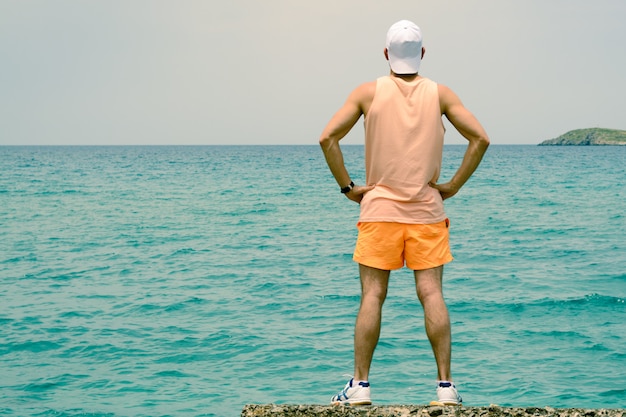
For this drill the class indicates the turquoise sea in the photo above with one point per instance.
(189, 281)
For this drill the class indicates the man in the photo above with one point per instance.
(401, 215)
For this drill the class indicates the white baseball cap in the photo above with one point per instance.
(404, 46)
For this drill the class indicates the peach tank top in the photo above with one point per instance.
(403, 150)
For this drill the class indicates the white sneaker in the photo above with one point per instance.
(353, 395)
(447, 394)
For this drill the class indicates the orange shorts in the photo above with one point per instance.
(388, 245)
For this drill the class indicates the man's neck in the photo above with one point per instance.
(405, 77)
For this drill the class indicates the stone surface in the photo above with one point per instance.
(273, 410)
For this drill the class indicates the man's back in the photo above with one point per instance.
(403, 149)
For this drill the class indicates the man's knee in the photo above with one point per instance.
(374, 294)
(374, 283)
(429, 296)
(428, 284)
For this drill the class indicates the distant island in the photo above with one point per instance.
(589, 137)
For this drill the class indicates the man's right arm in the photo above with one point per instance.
(338, 127)
(471, 129)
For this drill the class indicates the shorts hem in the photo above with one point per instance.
(373, 264)
(422, 267)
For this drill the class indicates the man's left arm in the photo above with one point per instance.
(469, 127)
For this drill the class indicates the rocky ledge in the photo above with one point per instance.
(272, 410)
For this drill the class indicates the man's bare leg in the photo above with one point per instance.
(374, 283)
(428, 283)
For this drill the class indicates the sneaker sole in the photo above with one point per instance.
(445, 404)
(356, 403)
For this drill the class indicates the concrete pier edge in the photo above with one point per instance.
(285, 410)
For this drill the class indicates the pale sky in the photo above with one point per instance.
(191, 72)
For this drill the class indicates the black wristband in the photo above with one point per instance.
(348, 188)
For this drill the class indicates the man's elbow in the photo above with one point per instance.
(327, 141)
(482, 141)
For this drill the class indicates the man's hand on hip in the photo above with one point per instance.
(446, 190)
(357, 192)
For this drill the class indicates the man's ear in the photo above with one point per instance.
(387, 53)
